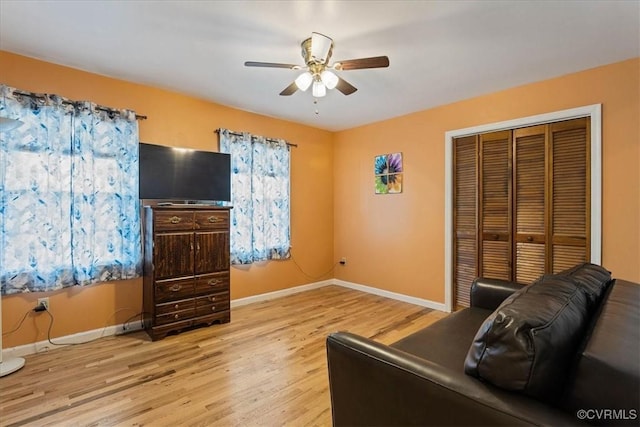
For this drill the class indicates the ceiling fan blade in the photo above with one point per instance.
(358, 64)
(289, 90)
(345, 87)
(320, 47)
(271, 65)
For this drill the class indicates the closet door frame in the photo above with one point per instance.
(594, 112)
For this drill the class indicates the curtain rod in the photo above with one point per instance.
(64, 101)
(268, 139)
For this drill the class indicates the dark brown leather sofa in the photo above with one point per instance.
(562, 351)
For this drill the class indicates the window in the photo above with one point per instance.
(260, 218)
(69, 194)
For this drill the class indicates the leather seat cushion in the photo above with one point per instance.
(446, 341)
(529, 341)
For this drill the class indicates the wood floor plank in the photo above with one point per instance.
(267, 367)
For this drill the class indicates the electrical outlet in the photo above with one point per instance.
(43, 302)
(343, 261)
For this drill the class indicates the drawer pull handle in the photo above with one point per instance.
(177, 316)
(214, 282)
(212, 299)
(176, 288)
(214, 219)
(176, 306)
(530, 239)
(213, 308)
(175, 219)
(496, 237)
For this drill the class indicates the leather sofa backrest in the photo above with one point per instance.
(593, 280)
(606, 376)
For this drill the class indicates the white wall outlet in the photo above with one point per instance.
(43, 302)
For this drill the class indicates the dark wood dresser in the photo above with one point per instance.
(186, 267)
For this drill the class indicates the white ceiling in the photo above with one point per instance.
(439, 51)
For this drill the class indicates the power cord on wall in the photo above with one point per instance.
(19, 324)
(139, 314)
(41, 308)
(310, 276)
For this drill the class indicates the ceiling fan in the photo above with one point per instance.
(316, 51)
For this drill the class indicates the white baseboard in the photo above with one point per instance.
(82, 337)
(358, 287)
(79, 338)
(393, 295)
(279, 294)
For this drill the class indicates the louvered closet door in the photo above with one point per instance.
(495, 205)
(531, 201)
(529, 151)
(569, 213)
(464, 217)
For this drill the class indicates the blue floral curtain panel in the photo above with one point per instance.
(69, 212)
(260, 218)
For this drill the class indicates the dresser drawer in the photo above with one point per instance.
(174, 316)
(175, 306)
(173, 220)
(174, 289)
(210, 283)
(212, 220)
(213, 303)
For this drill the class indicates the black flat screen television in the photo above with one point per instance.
(184, 175)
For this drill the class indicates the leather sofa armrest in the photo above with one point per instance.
(372, 384)
(489, 293)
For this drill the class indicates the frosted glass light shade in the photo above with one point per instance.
(329, 79)
(319, 89)
(304, 81)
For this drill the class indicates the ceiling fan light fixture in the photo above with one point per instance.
(316, 52)
(329, 79)
(303, 81)
(319, 89)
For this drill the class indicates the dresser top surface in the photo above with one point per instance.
(187, 206)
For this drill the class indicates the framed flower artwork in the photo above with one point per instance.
(388, 173)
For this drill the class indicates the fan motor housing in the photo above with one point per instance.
(306, 53)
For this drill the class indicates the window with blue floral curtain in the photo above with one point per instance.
(69, 212)
(260, 218)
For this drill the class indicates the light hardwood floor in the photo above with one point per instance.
(267, 367)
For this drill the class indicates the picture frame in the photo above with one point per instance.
(388, 173)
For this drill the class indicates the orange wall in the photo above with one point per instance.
(396, 242)
(179, 120)
(392, 242)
